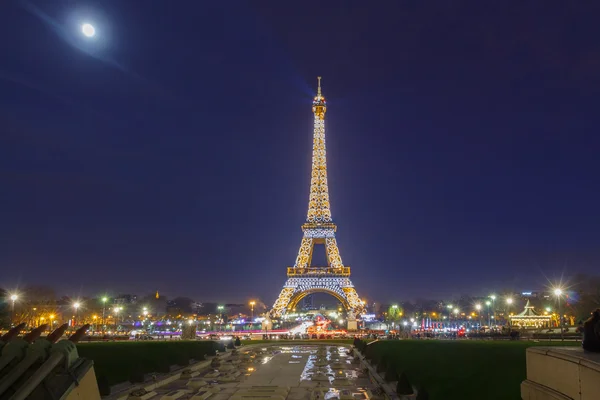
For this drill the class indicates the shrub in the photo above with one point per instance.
(422, 394)
(118, 362)
(103, 385)
(382, 364)
(183, 360)
(220, 346)
(238, 342)
(369, 352)
(404, 386)
(362, 346)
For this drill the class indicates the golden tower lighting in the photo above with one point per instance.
(319, 229)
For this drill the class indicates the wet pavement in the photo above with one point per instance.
(275, 373)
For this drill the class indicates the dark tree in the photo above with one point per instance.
(184, 304)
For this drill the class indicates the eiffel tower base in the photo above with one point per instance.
(352, 325)
(296, 288)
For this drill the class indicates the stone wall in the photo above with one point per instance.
(561, 373)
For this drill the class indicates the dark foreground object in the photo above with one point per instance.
(591, 333)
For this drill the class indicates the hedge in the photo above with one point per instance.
(117, 362)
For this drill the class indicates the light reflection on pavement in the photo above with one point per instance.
(276, 372)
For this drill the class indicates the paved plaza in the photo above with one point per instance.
(273, 372)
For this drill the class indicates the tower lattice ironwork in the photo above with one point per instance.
(304, 279)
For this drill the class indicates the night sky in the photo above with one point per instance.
(172, 151)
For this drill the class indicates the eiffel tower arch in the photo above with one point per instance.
(319, 229)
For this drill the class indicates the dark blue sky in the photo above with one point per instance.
(172, 152)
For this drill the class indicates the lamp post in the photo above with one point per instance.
(220, 308)
(76, 307)
(493, 297)
(252, 303)
(558, 293)
(478, 308)
(488, 303)
(14, 298)
(104, 300)
(509, 301)
(117, 310)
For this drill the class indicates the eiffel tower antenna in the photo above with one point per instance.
(319, 88)
(304, 279)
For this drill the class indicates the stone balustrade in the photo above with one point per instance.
(561, 373)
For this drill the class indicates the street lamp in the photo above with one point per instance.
(509, 301)
(13, 297)
(76, 306)
(117, 310)
(558, 292)
(220, 308)
(478, 308)
(488, 303)
(252, 303)
(104, 300)
(493, 297)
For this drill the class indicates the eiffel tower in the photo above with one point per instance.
(319, 228)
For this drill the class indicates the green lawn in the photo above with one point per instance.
(462, 369)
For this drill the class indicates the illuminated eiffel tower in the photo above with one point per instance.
(319, 228)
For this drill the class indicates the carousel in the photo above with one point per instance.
(529, 318)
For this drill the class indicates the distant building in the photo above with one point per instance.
(125, 299)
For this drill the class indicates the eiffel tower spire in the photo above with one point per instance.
(318, 202)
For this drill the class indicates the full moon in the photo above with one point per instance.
(88, 30)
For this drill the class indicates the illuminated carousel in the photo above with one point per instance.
(529, 318)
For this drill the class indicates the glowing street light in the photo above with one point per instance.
(76, 306)
(558, 292)
(104, 300)
(509, 301)
(13, 297)
(252, 303)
